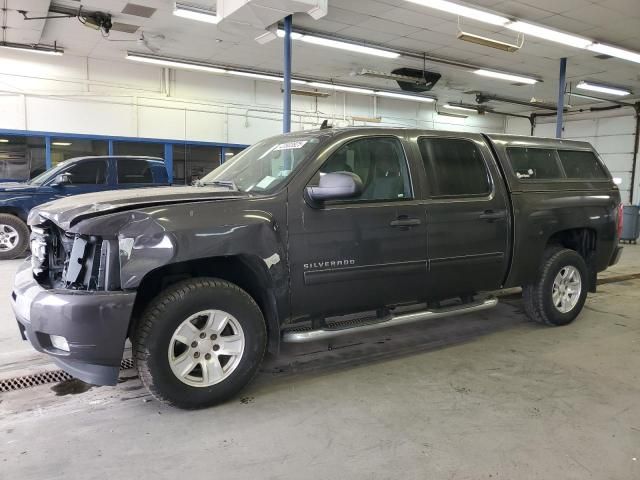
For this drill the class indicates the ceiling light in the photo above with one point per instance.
(4, 140)
(455, 115)
(488, 42)
(195, 13)
(44, 49)
(260, 76)
(342, 88)
(615, 52)
(402, 96)
(549, 34)
(506, 76)
(460, 107)
(167, 62)
(61, 144)
(463, 11)
(603, 88)
(342, 45)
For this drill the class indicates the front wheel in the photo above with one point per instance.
(559, 292)
(199, 342)
(14, 236)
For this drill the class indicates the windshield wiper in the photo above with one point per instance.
(224, 183)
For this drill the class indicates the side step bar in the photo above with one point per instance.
(303, 336)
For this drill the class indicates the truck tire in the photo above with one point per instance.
(558, 294)
(199, 342)
(14, 236)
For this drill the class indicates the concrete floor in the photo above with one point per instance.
(479, 396)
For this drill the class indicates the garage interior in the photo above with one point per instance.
(484, 395)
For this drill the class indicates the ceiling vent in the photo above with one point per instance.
(424, 80)
(138, 10)
(124, 27)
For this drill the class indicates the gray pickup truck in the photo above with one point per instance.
(308, 236)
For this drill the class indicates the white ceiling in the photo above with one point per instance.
(395, 23)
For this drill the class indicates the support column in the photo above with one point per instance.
(168, 160)
(286, 123)
(561, 89)
(47, 152)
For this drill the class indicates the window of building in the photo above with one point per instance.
(378, 161)
(534, 163)
(193, 162)
(139, 149)
(581, 164)
(21, 157)
(91, 172)
(65, 148)
(454, 167)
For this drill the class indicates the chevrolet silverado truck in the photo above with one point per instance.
(308, 236)
(71, 177)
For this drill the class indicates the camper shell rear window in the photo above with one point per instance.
(551, 164)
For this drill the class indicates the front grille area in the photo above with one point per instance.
(71, 261)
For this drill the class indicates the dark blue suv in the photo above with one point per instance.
(71, 177)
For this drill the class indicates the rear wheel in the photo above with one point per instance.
(14, 236)
(199, 342)
(559, 293)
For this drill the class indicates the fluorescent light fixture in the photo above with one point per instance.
(260, 76)
(488, 42)
(463, 11)
(615, 52)
(506, 76)
(44, 49)
(454, 115)
(342, 45)
(61, 144)
(549, 34)
(193, 12)
(342, 88)
(167, 62)
(603, 89)
(4, 140)
(459, 107)
(402, 96)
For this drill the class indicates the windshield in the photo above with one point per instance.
(264, 166)
(46, 175)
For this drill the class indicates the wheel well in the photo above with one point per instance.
(583, 241)
(243, 270)
(16, 212)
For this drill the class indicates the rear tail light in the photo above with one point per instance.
(620, 220)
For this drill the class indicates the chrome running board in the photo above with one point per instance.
(308, 335)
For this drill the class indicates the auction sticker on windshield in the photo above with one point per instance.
(291, 145)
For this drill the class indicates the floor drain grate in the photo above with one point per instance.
(42, 378)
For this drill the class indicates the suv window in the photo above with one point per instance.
(455, 167)
(378, 161)
(132, 170)
(581, 164)
(534, 163)
(88, 172)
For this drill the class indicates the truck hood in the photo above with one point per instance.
(16, 187)
(66, 212)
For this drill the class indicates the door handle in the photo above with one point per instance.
(404, 221)
(491, 216)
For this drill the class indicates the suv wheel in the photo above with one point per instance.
(559, 293)
(199, 342)
(14, 236)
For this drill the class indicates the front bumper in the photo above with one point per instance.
(95, 325)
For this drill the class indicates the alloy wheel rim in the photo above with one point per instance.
(206, 348)
(566, 290)
(8, 237)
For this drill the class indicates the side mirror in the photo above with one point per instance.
(61, 179)
(336, 186)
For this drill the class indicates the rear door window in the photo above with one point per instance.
(455, 167)
(132, 170)
(581, 164)
(534, 163)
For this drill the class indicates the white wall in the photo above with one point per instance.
(122, 98)
(612, 133)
